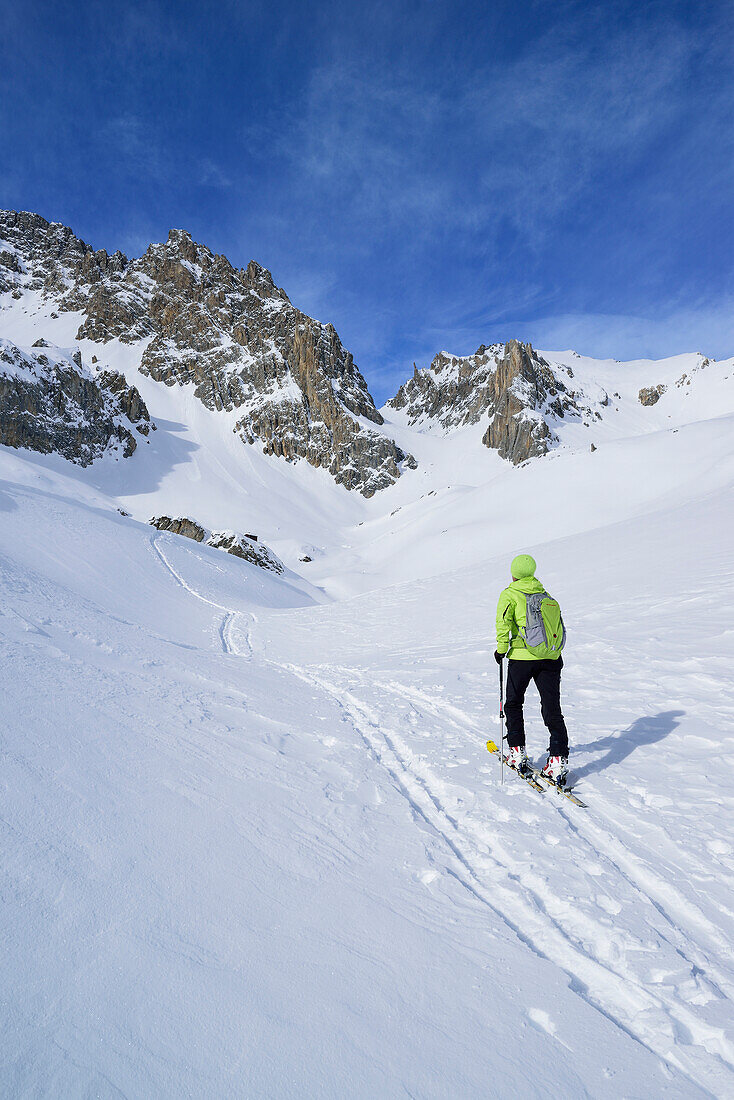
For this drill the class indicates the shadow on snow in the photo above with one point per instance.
(643, 731)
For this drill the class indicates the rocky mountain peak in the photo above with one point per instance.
(48, 257)
(231, 334)
(261, 279)
(180, 240)
(509, 385)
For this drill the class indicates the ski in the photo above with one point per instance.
(529, 777)
(565, 791)
(536, 779)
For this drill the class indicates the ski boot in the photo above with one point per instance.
(556, 770)
(517, 758)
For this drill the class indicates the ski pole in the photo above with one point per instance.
(502, 723)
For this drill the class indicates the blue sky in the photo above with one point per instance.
(425, 175)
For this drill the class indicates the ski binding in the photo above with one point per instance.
(536, 779)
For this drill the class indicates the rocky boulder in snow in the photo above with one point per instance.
(247, 547)
(230, 333)
(650, 395)
(50, 402)
(189, 528)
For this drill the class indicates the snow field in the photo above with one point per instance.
(286, 867)
(632, 898)
(254, 843)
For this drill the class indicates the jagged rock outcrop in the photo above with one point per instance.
(50, 402)
(230, 333)
(650, 395)
(454, 390)
(508, 383)
(189, 528)
(247, 547)
(525, 392)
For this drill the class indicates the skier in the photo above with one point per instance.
(530, 633)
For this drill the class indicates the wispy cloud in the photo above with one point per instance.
(708, 328)
(519, 137)
(134, 148)
(424, 175)
(495, 195)
(212, 174)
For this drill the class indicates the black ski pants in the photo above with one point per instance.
(547, 676)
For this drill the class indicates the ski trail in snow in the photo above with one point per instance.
(663, 894)
(682, 918)
(226, 625)
(659, 1020)
(225, 632)
(677, 912)
(656, 1016)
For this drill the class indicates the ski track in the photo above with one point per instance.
(229, 617)
(636, 872)
(677, 911)
(547, 925)
(659, 1020)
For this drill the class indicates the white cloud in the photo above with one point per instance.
(707, 328)
(517, 138)
(671, 330)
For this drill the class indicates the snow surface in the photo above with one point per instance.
(253, 842)
(254, 845)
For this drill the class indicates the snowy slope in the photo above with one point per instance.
(254, 844)
(695, 388)
(195, 465)
(485, 508)
(633, 897)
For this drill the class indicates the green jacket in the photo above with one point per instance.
(511, 616)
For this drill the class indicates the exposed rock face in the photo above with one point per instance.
(650, 395)
(50, 402)
(247, 547)
(453, 391)
(243, 546)
(189, 528)
(524, 390)
(231, 334)
(129, 401)
(509, 383)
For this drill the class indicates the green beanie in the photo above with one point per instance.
(522, 566)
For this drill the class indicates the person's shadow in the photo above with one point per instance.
(643, 731)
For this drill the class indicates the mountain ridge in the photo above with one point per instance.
(192, 321)
(230, 333)
(469, 429)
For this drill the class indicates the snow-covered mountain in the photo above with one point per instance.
(253, 841)
(529, 403)
(189, 318)
(508, 385)
(220, 360)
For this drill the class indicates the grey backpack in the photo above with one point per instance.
(544, 633)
